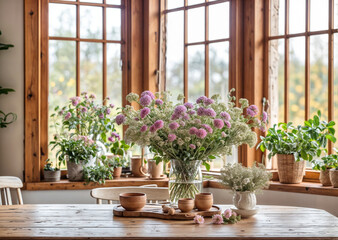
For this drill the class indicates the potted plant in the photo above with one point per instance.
(245, 182)
(98, 173)
(295, 145)
(325, 164)
(119, 149)
(50, 173)
(189, 134)
(77, 152)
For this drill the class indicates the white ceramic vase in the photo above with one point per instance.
(244, 200)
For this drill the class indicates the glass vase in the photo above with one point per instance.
(185, 179)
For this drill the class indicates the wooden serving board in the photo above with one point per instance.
(155, 211)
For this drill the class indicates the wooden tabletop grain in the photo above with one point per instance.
(97, 222)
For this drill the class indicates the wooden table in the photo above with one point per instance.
(97, 222)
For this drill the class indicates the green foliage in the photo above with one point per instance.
(304, 142)
(49, 166)
(240, 178)
(6, 118)
(76, 148)
(327, 162)
(97, 174)
(4, 46)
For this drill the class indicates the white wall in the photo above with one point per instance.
(11, 139)
(12, 76)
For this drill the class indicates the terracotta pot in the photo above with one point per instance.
(334, 177)
(324, 177)
(133, 201)
(204, 201)
(289, 170)
(52, 176)
(155, 170)
(137, 168)
(244, 200)
(117, 172)
(186, 204)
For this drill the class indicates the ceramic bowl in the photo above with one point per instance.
(133, 201)
(204, 201)
(186, 204)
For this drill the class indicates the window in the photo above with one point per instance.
(197, 49)
(85, 48)
(303, 59)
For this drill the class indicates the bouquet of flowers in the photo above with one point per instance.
(243, 179)
(189, 133)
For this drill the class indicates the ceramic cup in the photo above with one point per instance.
(204, 201)
(155, 170)
(137, 168)
(133, 201)
(186, 204)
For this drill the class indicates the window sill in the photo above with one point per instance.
(304, 187)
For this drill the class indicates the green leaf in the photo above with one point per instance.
(207, 166)
(331, 138)
(262, 147)
(211, 157)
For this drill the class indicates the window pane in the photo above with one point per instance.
(297, 80)
(174, 53)
(113, 24)
(319, 15)
(175, 3)
(192, 2)
(276, 80)
(219, 69)
(196, 83)
(114, 78)
(90, 22)
(297, 16)
(277, 17)
(319, 75)
(114, 73)
(114, 2)
(62, 20)
(91, 68)
(196, 24)
(219, 21)
(62, 83)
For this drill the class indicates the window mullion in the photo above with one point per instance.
(331, 68)
(104, 52)
(185, 52)
(307, 61)
(206, 51)
(286, 63)
(78, 50)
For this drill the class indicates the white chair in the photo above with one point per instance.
(6, 184)
(110, 194)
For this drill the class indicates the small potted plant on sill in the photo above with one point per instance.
(325, 165)
(245, 182)
(295, 145)
(50, 173)
(99, 172)
(77, 152)
(119, 149)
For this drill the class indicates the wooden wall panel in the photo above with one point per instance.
(32, 90)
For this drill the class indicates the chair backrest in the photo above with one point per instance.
(154, 193)
(6, 184)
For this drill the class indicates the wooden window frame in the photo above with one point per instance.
(142, 29)
(311, 175)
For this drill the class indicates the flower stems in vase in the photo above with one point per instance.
(185, 179)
